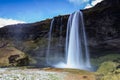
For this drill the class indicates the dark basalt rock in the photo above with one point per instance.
(103, 27)
(25, 31)
(15, 61)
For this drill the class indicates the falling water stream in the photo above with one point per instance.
(76, 48)
(49, 42)
(76, 43)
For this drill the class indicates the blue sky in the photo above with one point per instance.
(37, 10)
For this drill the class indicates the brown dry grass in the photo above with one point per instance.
(6, 52)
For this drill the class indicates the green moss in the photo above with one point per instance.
(108, 71)
(110, 57)
(107, 67)
(112, 75)
(41, 41)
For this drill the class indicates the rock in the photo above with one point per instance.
(10, 56)
(102, 27)
(118, 67)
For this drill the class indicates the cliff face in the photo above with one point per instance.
(103, 27)
(25, 31)
(101, 23)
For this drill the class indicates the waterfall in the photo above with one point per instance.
(55, 44)
(76, 43)
(76, 47)
(49, 42)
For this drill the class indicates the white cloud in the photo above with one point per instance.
(78, 2)
(4, 22)
(93, 3)
(88, 6)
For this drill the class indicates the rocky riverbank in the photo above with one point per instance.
(107, 71)
(44, 74)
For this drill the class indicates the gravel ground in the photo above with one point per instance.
(29, 74)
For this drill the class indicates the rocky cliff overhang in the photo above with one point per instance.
(101, 22)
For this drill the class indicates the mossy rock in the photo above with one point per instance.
(109, 71)
(111, 77)
(10, 56)
(115, 75)
(107, 67)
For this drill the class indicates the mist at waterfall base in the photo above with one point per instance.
(76, 49)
